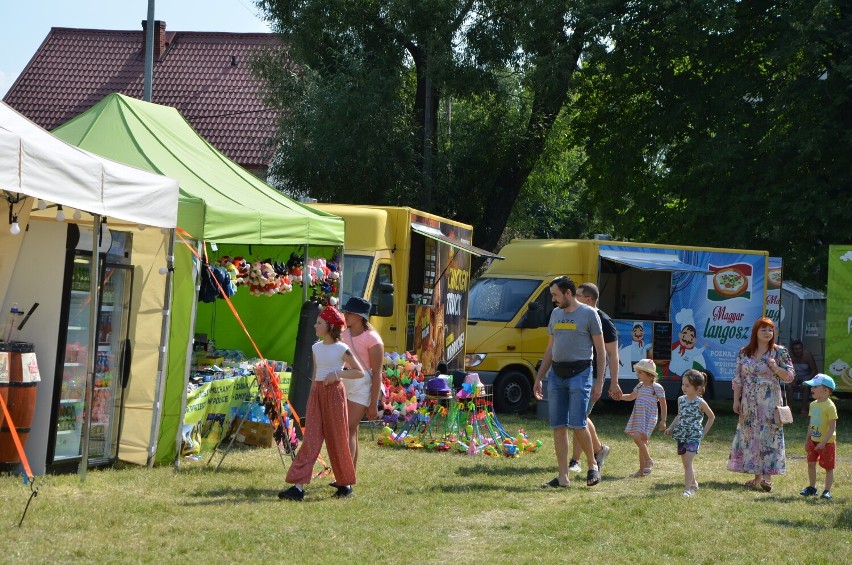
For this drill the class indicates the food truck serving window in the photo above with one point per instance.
(637, 285)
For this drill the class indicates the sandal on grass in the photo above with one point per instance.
(593, 477)
(766, 485)
(554, 483)
(750, 484)
(642, 473)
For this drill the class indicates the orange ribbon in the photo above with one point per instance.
(16, 440)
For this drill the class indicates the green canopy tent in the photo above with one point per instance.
(220, 203)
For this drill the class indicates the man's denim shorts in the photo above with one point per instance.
(568, 399)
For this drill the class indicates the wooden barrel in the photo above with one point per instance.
(20, 398)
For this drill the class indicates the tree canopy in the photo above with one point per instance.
(721, 123)
(442, 104)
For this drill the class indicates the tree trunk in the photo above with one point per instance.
(426, 103)
(547, 103)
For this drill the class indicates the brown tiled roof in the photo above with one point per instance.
(205, 75)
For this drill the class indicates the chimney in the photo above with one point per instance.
(159, 38)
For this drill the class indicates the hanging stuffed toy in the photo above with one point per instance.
(242, 268)
(256, 279)
(294, 268)
(333, 265)
(285, 285)
(268, 272)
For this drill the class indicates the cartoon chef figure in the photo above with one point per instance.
(684, 353)
(639, 348)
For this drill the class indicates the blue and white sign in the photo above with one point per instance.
(713, 313)
(714, 299)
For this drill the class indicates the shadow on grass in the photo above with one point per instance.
(796, 497)
(501, 471)
(227, 496)
(524, 486)
(722, 485)
(843, 521)
(225, 469)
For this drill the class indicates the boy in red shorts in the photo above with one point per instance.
(822, 435)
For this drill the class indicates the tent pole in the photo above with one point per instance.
(190, 345)
(163, 362)
(94, 282)
(305, 274)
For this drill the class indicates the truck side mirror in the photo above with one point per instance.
(384, 307)
(532, 317)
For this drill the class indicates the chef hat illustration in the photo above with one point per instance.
(684, 318)
(638, 325)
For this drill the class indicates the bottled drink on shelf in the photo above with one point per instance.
(108, 292)
(106, 328)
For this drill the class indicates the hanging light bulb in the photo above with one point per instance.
(60, 215)
(77, 215)
(15, 229)
(41, 204)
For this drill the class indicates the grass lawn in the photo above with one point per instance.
(415, 506)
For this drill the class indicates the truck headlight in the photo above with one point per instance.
(473, 359)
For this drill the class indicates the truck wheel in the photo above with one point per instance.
(512, 392)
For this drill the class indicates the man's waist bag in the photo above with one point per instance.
(568, 369)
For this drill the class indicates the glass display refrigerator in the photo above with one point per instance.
(112, 354)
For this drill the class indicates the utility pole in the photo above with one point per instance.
(149, 54)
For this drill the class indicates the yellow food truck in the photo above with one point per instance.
(414, 268)
(685, 307)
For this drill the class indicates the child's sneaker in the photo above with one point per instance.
(574, 466)
(808, 491)
(826, 495)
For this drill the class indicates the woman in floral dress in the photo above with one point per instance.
(762, 367)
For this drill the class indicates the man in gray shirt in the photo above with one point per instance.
(575, 334)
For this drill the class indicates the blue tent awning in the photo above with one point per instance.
(651, 261)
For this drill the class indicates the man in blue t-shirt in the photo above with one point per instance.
(575, 338)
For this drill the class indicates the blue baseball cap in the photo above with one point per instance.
(821, 379)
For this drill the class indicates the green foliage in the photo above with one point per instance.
(345, 135)
(445, 104)
(726, 124)
(716, 123)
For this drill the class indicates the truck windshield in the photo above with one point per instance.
(498, 300)
(356, 271)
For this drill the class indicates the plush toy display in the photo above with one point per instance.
(268, 277)
(417, 416)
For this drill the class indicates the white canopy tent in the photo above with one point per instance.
(36, 165)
